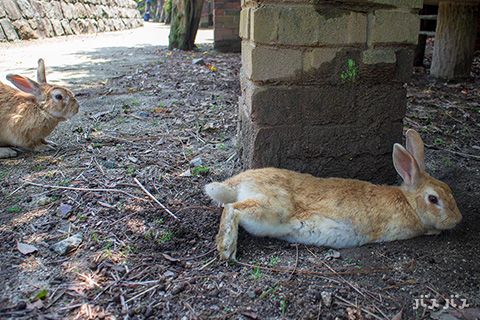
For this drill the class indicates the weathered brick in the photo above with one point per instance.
(271, 105)
(244, 27)
(261, 63)
(306, 26)
(9, 30)
(394, 26)
(349, 151)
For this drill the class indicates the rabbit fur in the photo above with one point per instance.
(28, 116)
(335, 212)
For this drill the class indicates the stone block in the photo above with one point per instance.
(3, 14)
(57, 27)
(307, 26)
(24, 31)
(80, 11)
(347, 151)
(68, 10)
(244, 30)
(262, 63)
(12, 10)
(66, 27)
(26, 8)
(394, 26)
(8, 29)
(273, 105)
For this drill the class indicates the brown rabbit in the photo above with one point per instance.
(27, 117)
(335, 212)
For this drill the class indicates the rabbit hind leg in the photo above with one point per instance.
(228, 233)
(7, 153)
(254, 217)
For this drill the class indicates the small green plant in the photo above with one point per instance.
(134, 102)
(3, 174)
(350, 73)
(159, 221)
(14, 209)
(120, 120)
(199, 170)
(131, 169)
(447, 162)
(256, 273)
(273, 261)
(165, 237)
(64, 182)
(438, 141)
(222, 146)
(38, 167)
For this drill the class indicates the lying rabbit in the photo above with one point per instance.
(335, 212)
(30, 115)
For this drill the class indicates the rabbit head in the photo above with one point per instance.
(433, 199)
(56, 101)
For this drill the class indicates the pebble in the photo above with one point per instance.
(251, 293)
(43, 201)
(68, 245)
(197, 162)
(109, 164)
(327, 298)
(143, 114)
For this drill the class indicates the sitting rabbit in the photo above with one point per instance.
(335, 212)
(27, 117)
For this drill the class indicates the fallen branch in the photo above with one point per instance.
(155, 199)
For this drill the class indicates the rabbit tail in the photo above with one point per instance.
(221, 192)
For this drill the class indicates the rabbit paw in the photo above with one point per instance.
(7, 153)
(227, 247)
(43, 147)
(48, 142)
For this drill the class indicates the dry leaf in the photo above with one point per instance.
(65, 209)
(25, 248)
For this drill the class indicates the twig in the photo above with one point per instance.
(155, 199)
(207, 264)
(461, 154)
(80, 189)
(142, 293)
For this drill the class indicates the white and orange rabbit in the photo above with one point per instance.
(335, 212)
(28, 116)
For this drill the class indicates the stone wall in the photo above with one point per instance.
(323, 84)
(32, 19)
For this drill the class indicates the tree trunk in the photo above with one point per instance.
(185, 19)
(454, 40)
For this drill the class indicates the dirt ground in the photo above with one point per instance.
(151, 137)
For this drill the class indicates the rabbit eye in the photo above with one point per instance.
(433, 199)
(58, 97)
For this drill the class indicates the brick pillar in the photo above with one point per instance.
(226, 21)
(323, 85)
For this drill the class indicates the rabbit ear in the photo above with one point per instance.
(406, 166)
(41, 72)
(414, 145)
(26, 85)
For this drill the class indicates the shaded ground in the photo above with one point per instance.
(143, 127)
